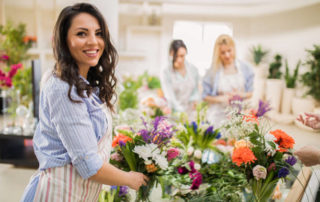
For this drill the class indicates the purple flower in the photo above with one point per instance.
(122, 143)
(218, 135)
(182, 170)
(194, 126)
(235, 102)
(209, 131)
(123, 190)
(264, 107)
(283, 172)
(291, 160)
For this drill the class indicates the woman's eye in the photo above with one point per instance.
(99, 34)
(81, 34)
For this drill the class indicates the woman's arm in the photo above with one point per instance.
(110, 175)
(217, 99)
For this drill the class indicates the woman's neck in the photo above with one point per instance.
(230, 68)
(83, 71)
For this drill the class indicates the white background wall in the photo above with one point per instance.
(288, 33)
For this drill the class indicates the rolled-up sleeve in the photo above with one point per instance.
(75, 129)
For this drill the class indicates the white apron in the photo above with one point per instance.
(61, 184)
(227, 83)
(182, 89)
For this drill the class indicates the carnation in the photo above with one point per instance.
(243, 155)
(172, 153)
(259, 172)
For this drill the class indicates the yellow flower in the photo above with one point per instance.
(242, 143)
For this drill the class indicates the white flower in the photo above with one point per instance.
(145, 151)
(270, 137)
(190, 151)
(197, 154)
(147, 162)
(269, 149)
(197, 166)
(161, 161)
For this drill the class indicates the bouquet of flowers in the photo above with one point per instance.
(144, 151)
(191, 149)
(263, 156)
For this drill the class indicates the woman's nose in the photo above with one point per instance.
(92, 39)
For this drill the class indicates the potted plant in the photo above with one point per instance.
(311, 79)
(274, 84)
(289, 90)
(258, 56)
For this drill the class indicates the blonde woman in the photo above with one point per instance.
(226, 78)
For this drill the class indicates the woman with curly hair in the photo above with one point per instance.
(72, 140)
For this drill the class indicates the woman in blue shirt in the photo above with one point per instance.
(73, 138)
(227, 77)
(179, 80)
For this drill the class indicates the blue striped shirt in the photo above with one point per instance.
(67, 132)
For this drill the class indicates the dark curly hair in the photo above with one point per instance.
(174, 47)
(66, 67)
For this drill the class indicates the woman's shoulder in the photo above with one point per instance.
(56, 86)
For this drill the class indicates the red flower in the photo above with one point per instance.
(243, 155)
(14, 69)
(284, 141)
(221, 141)
(118, 138)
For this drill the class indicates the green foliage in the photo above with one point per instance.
(128, 99)
(22, 81)
(291, 79)
(311, 78)
(153, 82)
(15, 44)
(226, 181)
(274, 68)
(258, 54)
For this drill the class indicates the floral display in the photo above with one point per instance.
(144, 151)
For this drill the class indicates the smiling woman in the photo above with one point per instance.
(72, 141)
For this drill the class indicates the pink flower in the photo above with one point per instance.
(197, 181)
(14, 69)
(182, 170)
(116, 157)
(4, 57)
(172, 153)
(259, 172)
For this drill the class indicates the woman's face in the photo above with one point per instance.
(181, 54)
(85, 40)
(226, 54)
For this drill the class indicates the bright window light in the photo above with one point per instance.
(199, 38)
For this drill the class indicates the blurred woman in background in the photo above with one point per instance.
(228, 78)
(179, 80)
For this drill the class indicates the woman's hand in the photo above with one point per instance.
(311, 120)
(309, 155)
(136, 180)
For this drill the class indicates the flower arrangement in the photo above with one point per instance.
(144, 151)
(264, 157)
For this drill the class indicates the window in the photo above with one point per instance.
(199, 38)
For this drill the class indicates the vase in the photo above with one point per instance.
(273, 93)
(262, 190)
(144, 192)
(288, 94)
